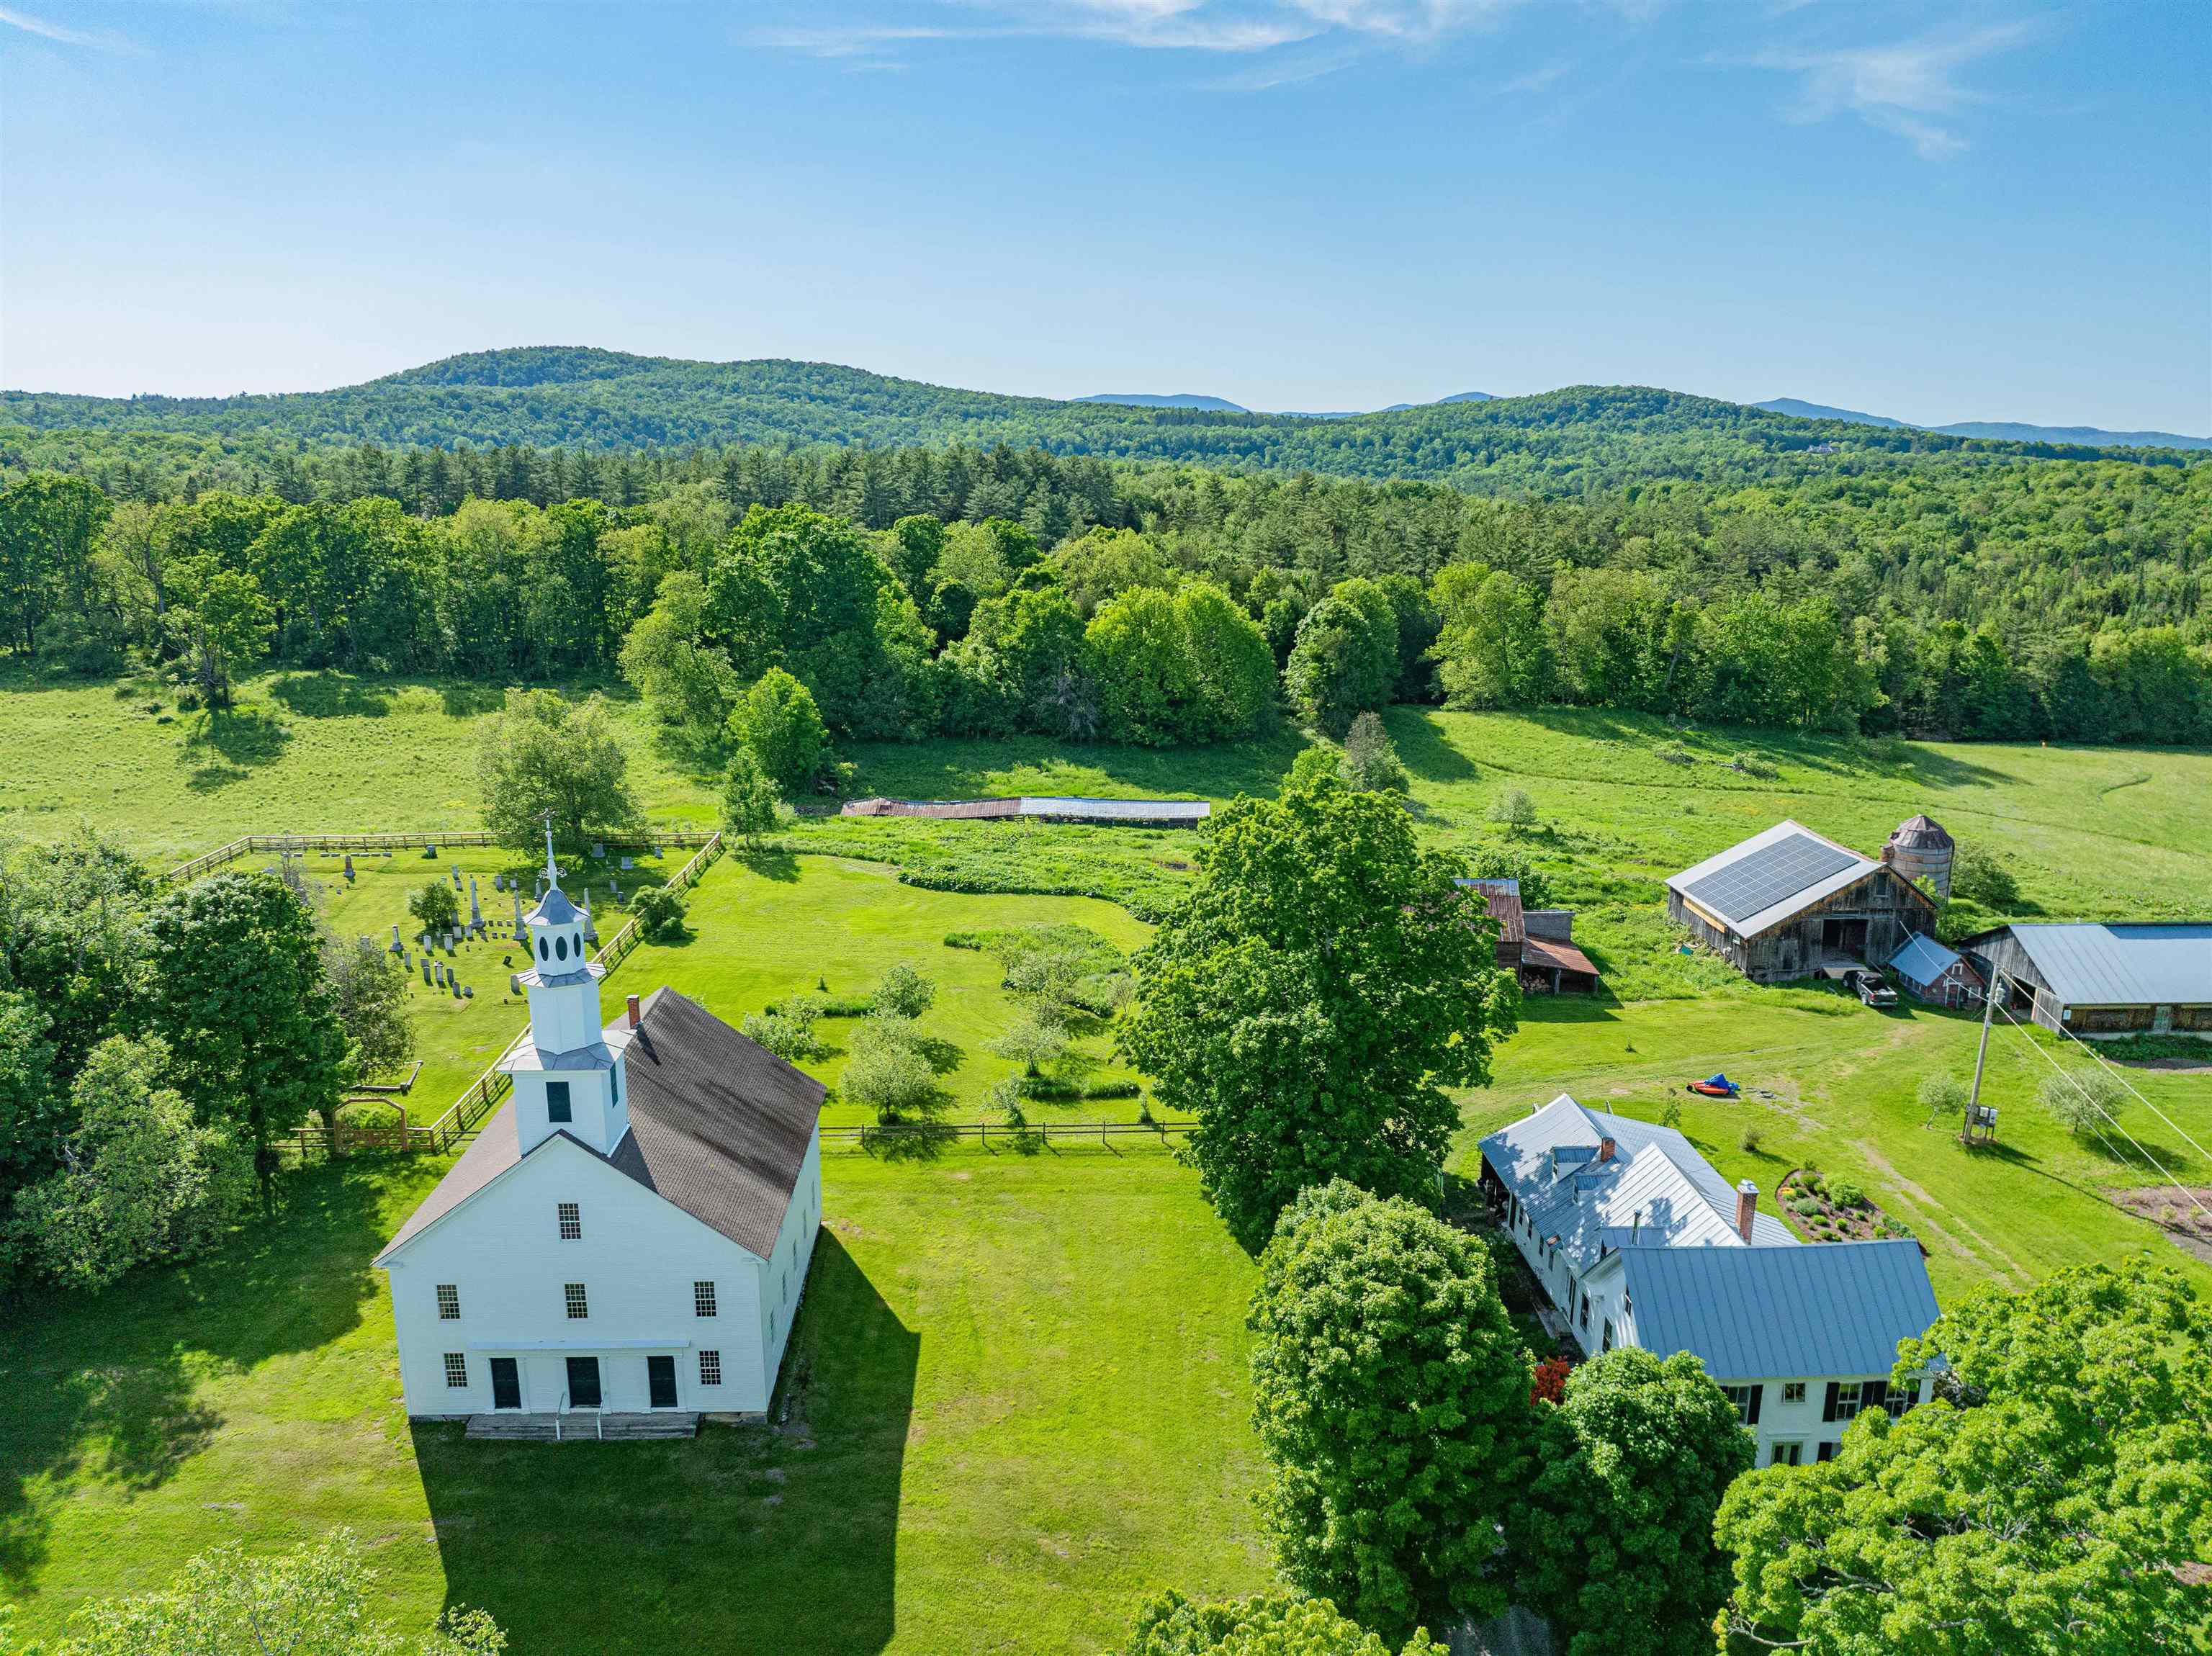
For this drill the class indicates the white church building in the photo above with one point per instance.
(626, 1241)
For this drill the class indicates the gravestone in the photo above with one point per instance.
(469, 992)
(425, 964)
(476, 909)
(454, 983)
(627, 862)
(349, 868)
(514, 983)
(397, 947)
(438, 973)
(456, 879)
(598, 850)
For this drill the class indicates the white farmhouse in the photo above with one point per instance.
(1637, 1241)
(627, 1239)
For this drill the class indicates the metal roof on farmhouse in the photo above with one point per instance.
(718, 1126)
(2148, 964)
(1763, 1313)
(1656, 1187)
(1759, 883)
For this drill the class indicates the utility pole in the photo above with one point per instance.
(1981, 1052)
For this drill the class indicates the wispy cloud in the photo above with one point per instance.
(96, 40)
(1911, 88)
(1542, 78)
(1230, 27)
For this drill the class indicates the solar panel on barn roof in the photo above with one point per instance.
(1762, 878)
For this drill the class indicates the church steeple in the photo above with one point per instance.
(567, 1078)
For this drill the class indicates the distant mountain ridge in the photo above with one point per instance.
(2003, 431)
(1137, 399)
(1565, 441)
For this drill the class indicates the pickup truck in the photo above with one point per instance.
(1871, 987)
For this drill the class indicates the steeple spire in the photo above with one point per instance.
(552, 875)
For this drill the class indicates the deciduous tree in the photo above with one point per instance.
(1390, 1393)
(1612, 1538)
(541, 755)
(2051, 1500)
(1313, 996)
(778, 721)
(1169, 1624)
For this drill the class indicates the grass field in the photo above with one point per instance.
(1019, 1396)
(1019, 1381)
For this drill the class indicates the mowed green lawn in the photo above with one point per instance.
(770, 925)
(1017, 1402)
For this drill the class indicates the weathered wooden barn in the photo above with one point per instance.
(1787, 902)
(1536, 944)
(2091, 980)
(1929, 972)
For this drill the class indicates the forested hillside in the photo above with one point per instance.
(967, 592)
(1563, 441)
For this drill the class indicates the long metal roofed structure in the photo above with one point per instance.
(1051, 807)
(2127, 965)
(1769, 876)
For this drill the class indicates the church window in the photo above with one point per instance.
(457, 1368)
(542, 946)
(702, 1299)
(556, 1102)
(578, 1308)
(710, 1368)
(571, 1220)
(449, 1303)
(614, 1086)
(560, 948)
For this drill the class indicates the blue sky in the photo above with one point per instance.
(1974, 211)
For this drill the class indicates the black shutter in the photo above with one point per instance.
(1873, 1394)
(1827, 1452)
(1828, 1411)
(1756, 1393)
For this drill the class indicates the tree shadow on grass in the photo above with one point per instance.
(463, 699)
(778, 865)
(250, 737)
(104, 1387)
(943, 1056)
(1424, 750)
(772, 1538)
(331, 695)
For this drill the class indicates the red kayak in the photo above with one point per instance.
(1717, 1086)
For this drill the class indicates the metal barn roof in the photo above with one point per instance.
(1923, 959)
(1760, 1313)
(1122, 810)
(1762, 882)
(2136, 965)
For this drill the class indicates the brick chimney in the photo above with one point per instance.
(1605, 1147)
(630, 1006)
(1747, 1204)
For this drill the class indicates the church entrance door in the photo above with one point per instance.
(583, 1382)
(661, 1376)
(506, 1384)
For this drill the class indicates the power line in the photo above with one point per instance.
(2187, 1194)
(2124, 1080)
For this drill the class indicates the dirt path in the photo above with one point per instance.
(1929, 1207)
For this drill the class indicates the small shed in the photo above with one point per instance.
(1938, 975)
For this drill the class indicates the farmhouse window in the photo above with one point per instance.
(1793, 1392)
(556, 1102)
(449, 1303)
(457, 1368)
(1607, 1344)
(1827, 1452)
(578, 1307)
(571, 1220)
(702, 1299)
(1745, 1399)
(1585, 1316)
(1842, 1401)
(1786, 1455)
(710, 1368)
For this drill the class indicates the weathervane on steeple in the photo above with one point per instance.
(552, 874)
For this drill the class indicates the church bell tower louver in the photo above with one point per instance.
(567, 1073)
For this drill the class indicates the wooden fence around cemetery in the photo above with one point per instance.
(297, 844)
(482, 1094)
